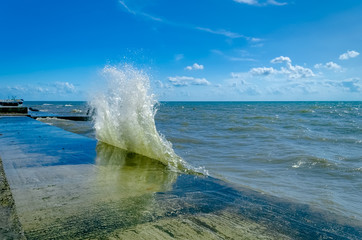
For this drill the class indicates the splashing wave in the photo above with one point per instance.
(125, 116)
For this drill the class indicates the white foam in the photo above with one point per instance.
(125, 116)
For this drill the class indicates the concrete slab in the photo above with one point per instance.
(73, 118)
(67, 186)
(9, 222)
(13, 109)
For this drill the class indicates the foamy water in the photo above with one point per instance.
(125, 116)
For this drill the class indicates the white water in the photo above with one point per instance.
(125, 116)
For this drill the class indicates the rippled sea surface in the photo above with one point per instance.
(307, 152)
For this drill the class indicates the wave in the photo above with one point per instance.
(77, 111)
(125, 116)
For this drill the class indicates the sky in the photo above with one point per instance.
(199, 50)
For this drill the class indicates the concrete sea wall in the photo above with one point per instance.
(60, 185)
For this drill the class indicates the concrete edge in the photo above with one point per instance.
(10, 227)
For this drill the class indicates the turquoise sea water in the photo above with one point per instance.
(305, 152)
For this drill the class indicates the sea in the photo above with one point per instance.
(303, 152)
(294, 160)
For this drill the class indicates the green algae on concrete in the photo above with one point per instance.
(219, 225)
(9, 223)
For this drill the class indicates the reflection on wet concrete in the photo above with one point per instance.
(95, 200)
(66, 186)
(61, 190)
(124, 173)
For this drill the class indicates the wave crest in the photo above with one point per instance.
(125, 116)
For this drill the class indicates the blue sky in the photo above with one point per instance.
(239, 50)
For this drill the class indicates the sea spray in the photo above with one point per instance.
(125, 116)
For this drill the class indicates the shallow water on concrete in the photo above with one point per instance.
(67, 186)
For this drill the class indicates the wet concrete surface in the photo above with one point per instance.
(9, 222)
(13, 110)
(66, 186)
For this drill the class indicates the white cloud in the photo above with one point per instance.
(262, 71)
(133, 12)
(53, 88)
(237, 55)
(352, 85)
(41, 90)
(319, 65)
(16, 88)
(332, 65)
(292, 71)
(297, 72)
(179, 57)
(288, 71)
(186, 81)
(239, 85)
(195, 66)
(236, 75)
(229, 34)
(223, 32)
(64, 87)
(256, 40)
(273, 2)
(250, 2)
(278, 86)
(261, 3)
(159, 84)
(281, 59)
(348, 55)
(329, 65)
